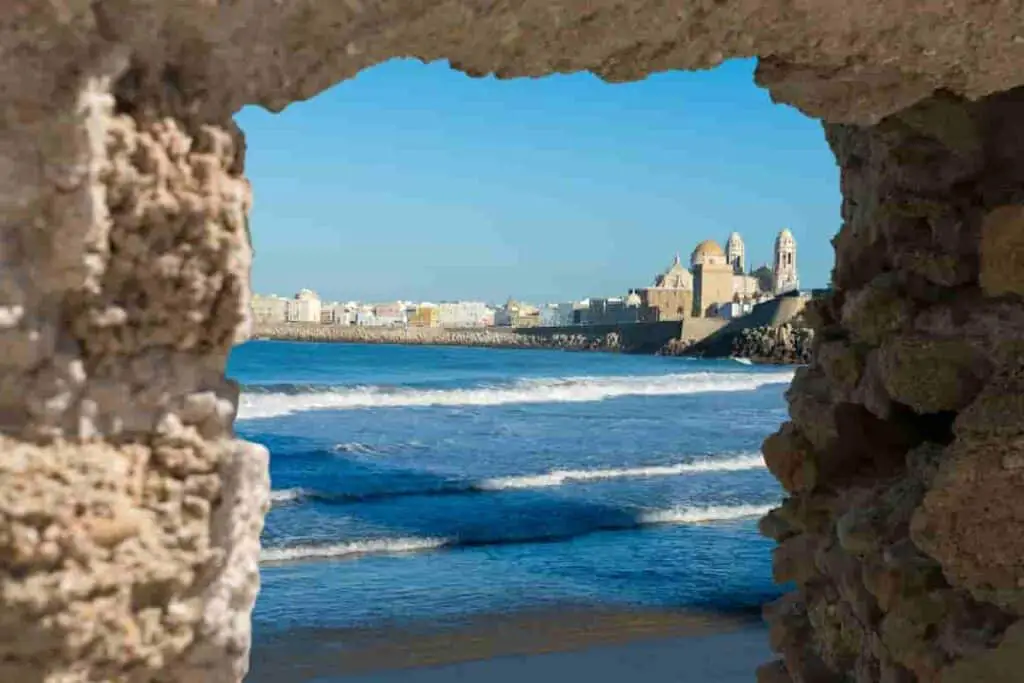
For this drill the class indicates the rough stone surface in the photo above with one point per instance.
(906, 543)
(129, 517)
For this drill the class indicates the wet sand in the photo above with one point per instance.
(599, 647)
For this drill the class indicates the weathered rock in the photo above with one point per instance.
(930, 375)
(1002, 664)
(123, 282)
(1002, 251)
(786, 344)
(790, 457)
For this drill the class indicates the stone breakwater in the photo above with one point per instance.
(785, 344)
(488, 337)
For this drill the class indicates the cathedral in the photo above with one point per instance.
(718, 279)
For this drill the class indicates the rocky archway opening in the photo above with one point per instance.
(129, 516)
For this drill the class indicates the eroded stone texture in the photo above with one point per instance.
(129, 516)
(123, 266)
(906, 547)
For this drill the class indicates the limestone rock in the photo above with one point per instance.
(790, 457)
(931, 375)
(1002, 251)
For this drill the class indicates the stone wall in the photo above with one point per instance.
(903, 532)
(628, 338)
(130, 517)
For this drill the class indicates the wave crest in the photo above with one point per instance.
(284, 400)
(738, 463)
(391, 546)
(560, 477)
(378, 546)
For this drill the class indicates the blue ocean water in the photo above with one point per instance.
(425, 483)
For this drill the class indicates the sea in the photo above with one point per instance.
(419, 485)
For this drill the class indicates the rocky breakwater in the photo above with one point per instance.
(789, 343)
(902, 536)
(489, 337)
(786, 344)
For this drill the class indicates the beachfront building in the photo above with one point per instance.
(557, 315)
(337, 313)
(516, 314)
(424, 315)
(389, 315)
(304, 308)
(269, 309)
(712, 278)
(463, 314)
(613, 310)
(671, 297)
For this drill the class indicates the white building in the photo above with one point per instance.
(337, 313)
(269, 309)
(784, 277)
(735, 253)
(735, 309)
(745, 286)
(390, 314)
(463, 314)
(304, 308)
(557, 315)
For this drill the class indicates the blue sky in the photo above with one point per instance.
(414, 181)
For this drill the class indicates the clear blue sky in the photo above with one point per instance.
(414, 181)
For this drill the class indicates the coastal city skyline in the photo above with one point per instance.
(716, 283)
(451, 188)
(734, 252)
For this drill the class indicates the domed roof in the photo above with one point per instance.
(708, 248)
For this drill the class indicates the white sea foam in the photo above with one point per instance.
(373, 546)
(286, 495)
(391, 546)
(356, 448)
(714, 513)
(560, 477)
(550, 390)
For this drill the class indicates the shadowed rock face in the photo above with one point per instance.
(129, 515)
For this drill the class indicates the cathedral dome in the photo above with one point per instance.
(708, 251)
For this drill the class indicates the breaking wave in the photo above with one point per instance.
(286, 495)
(380, 546)
(560, 477)
(392, 546)
(746, 461)
(284, 399)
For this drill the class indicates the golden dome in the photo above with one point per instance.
(708, 251)
(709, 248)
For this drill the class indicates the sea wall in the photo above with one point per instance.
(626, 338)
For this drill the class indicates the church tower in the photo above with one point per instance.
(784, 277)
(734, 253)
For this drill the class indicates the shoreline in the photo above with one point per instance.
(491, 643)
(479, 337)
(603, 339)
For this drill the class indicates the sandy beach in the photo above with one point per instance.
(597, 647)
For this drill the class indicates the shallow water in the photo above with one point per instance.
(428, 483)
